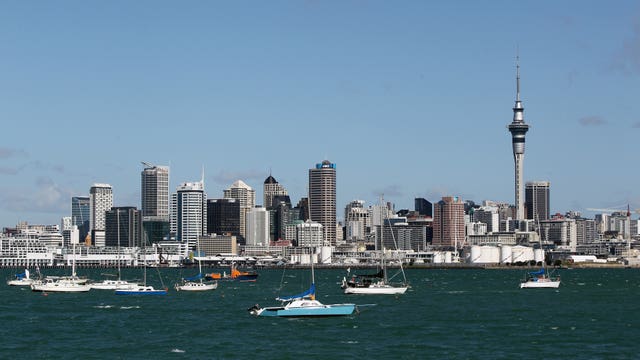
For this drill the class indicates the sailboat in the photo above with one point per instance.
(108, 284)
(303, 305)
(196, 283)
(22, 279)
(142, 289)
(541, 278)
(62, 283)
(378, 283)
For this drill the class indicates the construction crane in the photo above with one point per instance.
(146, 164)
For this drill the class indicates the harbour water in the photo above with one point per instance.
(447, 314)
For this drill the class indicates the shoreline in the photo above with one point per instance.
(449, 266)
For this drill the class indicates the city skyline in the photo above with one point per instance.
(408, 100)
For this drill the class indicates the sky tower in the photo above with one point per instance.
(518, 129)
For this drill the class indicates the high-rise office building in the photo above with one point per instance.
(448, 222)
(322, 198)
(356, 219)
(272, 189)
(123, 223)
(536, 196)
(223, 216)
(101, 200)
(155, 191)
(247, 198)
(189, 203)
(424, 207)
(518, 129)
(258, 226)
(80, 215)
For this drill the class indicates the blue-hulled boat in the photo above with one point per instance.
(304, 305)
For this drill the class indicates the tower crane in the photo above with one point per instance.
(148, 165)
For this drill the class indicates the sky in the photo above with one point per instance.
(409, 99)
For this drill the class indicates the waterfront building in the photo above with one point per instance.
(24, 251)
(322, 198)
(310, 234)
(518, 128)
(100, 201)
(81, 214)
(214, 244)
(257, 232)
(223, 216)
(190, 208)
(537, 200)
(271, 190)
(155, 191)
(124, 223)
(448, 222)
(246, 196)
(560, 231)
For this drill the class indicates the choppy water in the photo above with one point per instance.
(448, 314)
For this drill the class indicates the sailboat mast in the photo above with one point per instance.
(118, 224)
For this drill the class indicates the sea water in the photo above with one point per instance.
(446, 314)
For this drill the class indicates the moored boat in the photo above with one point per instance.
(22, 279)
(540, 279)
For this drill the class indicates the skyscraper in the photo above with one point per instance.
(448, 222)
(155, 191)
(100, 200)
(322, 198)
(424, 207)
(123, 223)
(518, 129)
(258, 226)
(190, 206)
(223, 216)
(80, 215)
(537, 200)
(247, 198)
(271, 189)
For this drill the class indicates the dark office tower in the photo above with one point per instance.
(80, 213)
(278, 215)
(518, 129)
(448, 222)
(124, 223)
(271, 189)
(537, 200)
(223, 216)
(322, 198)
(303, 209)
(424, 207)
(155, 191)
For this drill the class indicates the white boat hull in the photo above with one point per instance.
(113, 285)
(20, 282)
(376, 290)
(141, 290)
(305, 308)
(196, 286)
(554, 284)
(59, 286)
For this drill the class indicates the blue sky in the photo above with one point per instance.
(409, 99)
